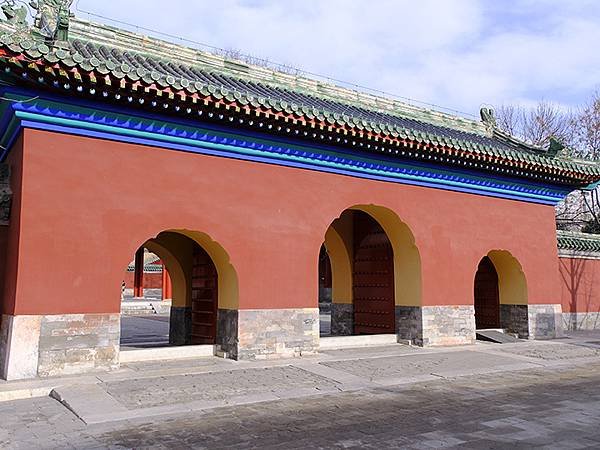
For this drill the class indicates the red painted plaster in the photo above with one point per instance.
(9, 262)
(86, 199)
(580, 284)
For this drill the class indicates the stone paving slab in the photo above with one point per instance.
(542, 408)
(549, 351)
(220, 386)
(443, 364)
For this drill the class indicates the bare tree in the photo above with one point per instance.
(587, 130)
(508, 118)
(537, 125)
(580, 133)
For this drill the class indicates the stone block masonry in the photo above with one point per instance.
(545, 321)
(515, 319)
(581, 321)
(342, 319)
(409, 324)
(52, 345)
(276, 333)
(448, 325)
(180, 325)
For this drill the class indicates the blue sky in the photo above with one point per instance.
(458, 54)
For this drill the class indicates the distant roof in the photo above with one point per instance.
(578, 242)
(100, 56)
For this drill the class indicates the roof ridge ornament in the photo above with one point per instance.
(555, 147)
(16, 16)
(488, 117)
(52, 20)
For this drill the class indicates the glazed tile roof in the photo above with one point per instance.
(578, 242)
(123, 65)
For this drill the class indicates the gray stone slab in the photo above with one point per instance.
(399, 367)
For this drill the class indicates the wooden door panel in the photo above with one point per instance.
(373, 278)
(487, 298)
(204, 298)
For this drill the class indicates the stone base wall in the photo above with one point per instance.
(51, 345)
(448, 325)
(342, 319)
(545, 321)
(180, 325)
(227, 332)
(409, 324)
(277, 333)
(515, 319)
(581, 321)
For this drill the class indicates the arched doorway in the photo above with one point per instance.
(375, 274)
(373, 277)
(487, 296)
(191, 317)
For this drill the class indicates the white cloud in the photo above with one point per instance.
(456, 53)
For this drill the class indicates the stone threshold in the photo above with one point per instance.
(341, 342)
(165, 353)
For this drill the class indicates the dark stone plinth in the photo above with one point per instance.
(227, 332)
(342, 319)
(180, 325)
(514, 319)
(409, 324)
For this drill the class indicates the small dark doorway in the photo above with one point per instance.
(487, 298)
(373, 278)
(204, 298)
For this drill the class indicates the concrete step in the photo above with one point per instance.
(145, 307)
(497, 336)
(340, 342)
(137, 308)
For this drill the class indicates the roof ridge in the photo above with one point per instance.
(81, 29)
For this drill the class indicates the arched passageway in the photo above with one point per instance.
(375, 274)
(500, 294)
(201, 282)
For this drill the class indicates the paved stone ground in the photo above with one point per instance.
(541, 395)
(535, 409)
(144, 330)
(212, 386)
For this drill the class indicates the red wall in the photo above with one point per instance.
(152, 280)
(85, 198)
(580, 284)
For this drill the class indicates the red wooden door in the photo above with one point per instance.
(373, 282)
(204, 298)
(487, 298)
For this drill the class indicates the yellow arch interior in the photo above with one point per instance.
(340, 256)
(512, 284)
(175, 267)
(228, 279)
(175, 250)
(407, 261)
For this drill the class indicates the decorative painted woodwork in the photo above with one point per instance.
(83, 119)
